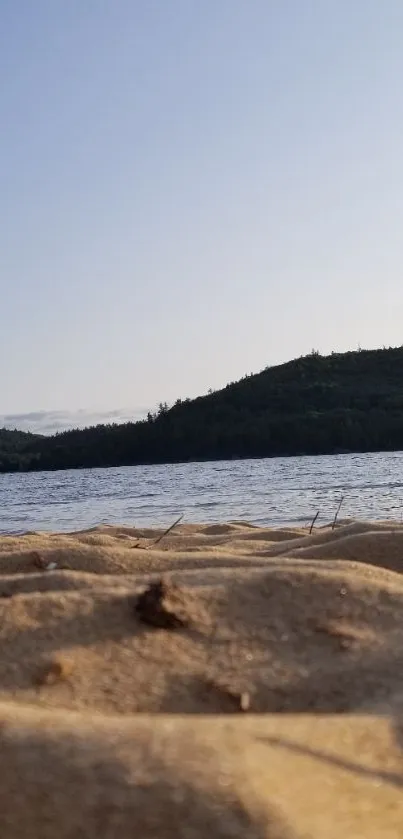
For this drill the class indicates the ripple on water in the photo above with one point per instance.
(275, 491)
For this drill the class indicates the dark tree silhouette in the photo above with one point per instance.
(313, 405)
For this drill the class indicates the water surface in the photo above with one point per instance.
(273, 491)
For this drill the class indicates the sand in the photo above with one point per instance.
(225, 681)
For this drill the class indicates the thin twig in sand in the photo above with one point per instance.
(337, 512)
(169, 529)
(313, 522)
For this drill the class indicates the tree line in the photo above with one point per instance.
(316, 404)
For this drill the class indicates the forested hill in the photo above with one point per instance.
(13, 444)
(313, 405)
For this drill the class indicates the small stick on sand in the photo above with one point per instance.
(337, 512)
(169, 529)
(313, 522)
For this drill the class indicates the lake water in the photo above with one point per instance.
(273, 491)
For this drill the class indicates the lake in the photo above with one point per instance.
(274, 491)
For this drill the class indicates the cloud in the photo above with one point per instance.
(49, 422)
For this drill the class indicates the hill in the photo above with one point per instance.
(312, 405)
(13, 444)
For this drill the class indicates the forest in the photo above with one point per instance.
(344, 402)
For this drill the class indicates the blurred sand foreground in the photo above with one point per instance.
(227, 681)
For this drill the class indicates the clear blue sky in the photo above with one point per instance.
(191, 190)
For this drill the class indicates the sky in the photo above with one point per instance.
(191, 191)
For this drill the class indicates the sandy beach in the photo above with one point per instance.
(224, 680)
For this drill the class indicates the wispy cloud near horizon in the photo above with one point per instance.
(50, 422)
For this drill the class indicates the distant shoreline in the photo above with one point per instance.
(343, 403)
